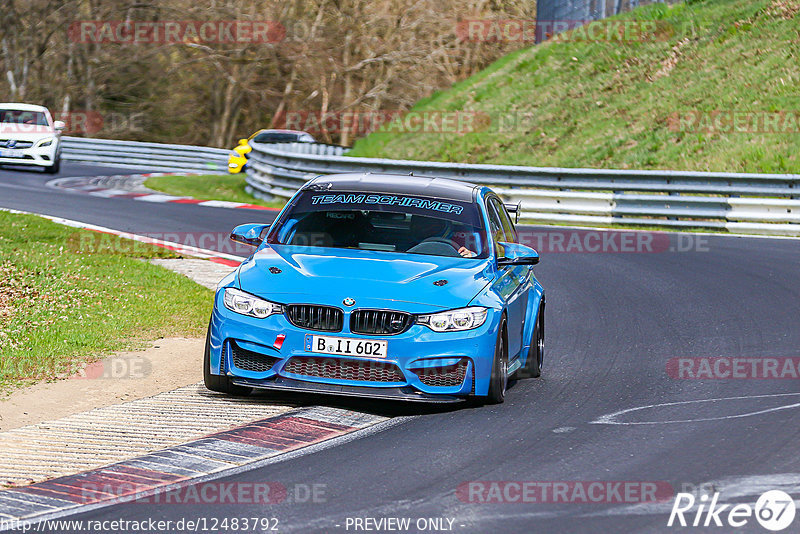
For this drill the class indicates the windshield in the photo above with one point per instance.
(275, 137)
(382, 222)
(15, 116)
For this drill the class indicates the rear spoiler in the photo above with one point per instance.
(515, 210)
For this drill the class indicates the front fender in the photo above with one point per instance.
(535, 298)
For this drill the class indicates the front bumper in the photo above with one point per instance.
(406, 393)
(236, 164)
(37, 156)
(420, 364)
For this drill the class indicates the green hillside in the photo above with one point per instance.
(715, 87)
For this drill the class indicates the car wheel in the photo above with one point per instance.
(219, 383)
(533, 364)
(55, 167)
(499, 378)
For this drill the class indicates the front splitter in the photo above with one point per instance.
(397, 393)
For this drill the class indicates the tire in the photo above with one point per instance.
(219, 383)
(533, 364)
(55, 167)
(499, 379)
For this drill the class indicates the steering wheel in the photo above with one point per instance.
(443, 240)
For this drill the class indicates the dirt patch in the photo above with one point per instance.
(672, 61)
(785, 9)
(204, 272)
(13, 289)
(168, 364)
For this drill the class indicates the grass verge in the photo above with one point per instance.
(230, 187)
(715, 89)
(69, 297)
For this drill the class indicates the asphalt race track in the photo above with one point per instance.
(614, 320)
(25, 190)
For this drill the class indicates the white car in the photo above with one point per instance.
(29, 136)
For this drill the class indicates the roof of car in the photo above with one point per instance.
(21, 107)
(274, 130)
(398, 184)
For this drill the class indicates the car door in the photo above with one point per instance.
(512, 280)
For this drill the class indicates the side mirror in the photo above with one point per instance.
(249, 234)
(514, 209)
(59, 126)
(242, 141)
(516, 254)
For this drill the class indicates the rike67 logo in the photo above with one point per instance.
(774, 510)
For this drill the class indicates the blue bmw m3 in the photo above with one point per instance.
(376, 285)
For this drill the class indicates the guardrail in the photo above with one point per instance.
(151, 156)
(739, 202)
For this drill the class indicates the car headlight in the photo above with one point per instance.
(454, 320)
(45, 142)
(247, 304)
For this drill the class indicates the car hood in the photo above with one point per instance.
(25, 132)
(397, 280)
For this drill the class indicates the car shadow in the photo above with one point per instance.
(380, 407)
(33, 169)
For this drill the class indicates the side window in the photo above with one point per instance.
(505, 220)
(495, 227)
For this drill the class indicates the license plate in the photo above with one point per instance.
(10, 153)
(346, 346)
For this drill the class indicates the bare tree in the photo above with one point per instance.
(336, 56)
